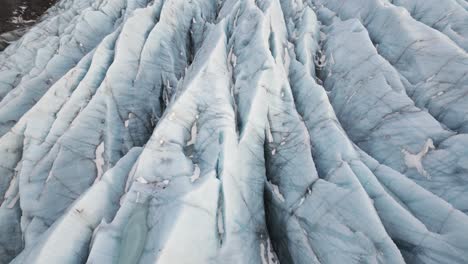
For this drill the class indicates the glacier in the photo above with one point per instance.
(236, 131)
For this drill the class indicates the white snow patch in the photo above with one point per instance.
(137, 197)
(130, 116)
(160, 184)
(141, 180)
(99, 160)
(193, 134)
(196, 174)
(301, 201)
(273, 152)
(331, 61)
(276, 191)
(415, 160)
(49, 176)
(232, 58)
(430, 78)
(172, 116)
(269, 135)
(11, 189)
(303, 198)
(14, 201)
(267, 254)
(122, 199)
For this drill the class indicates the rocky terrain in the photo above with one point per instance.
(16, 16)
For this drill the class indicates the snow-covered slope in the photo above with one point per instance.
(236, 131)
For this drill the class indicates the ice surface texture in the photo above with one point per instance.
(236, 131)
